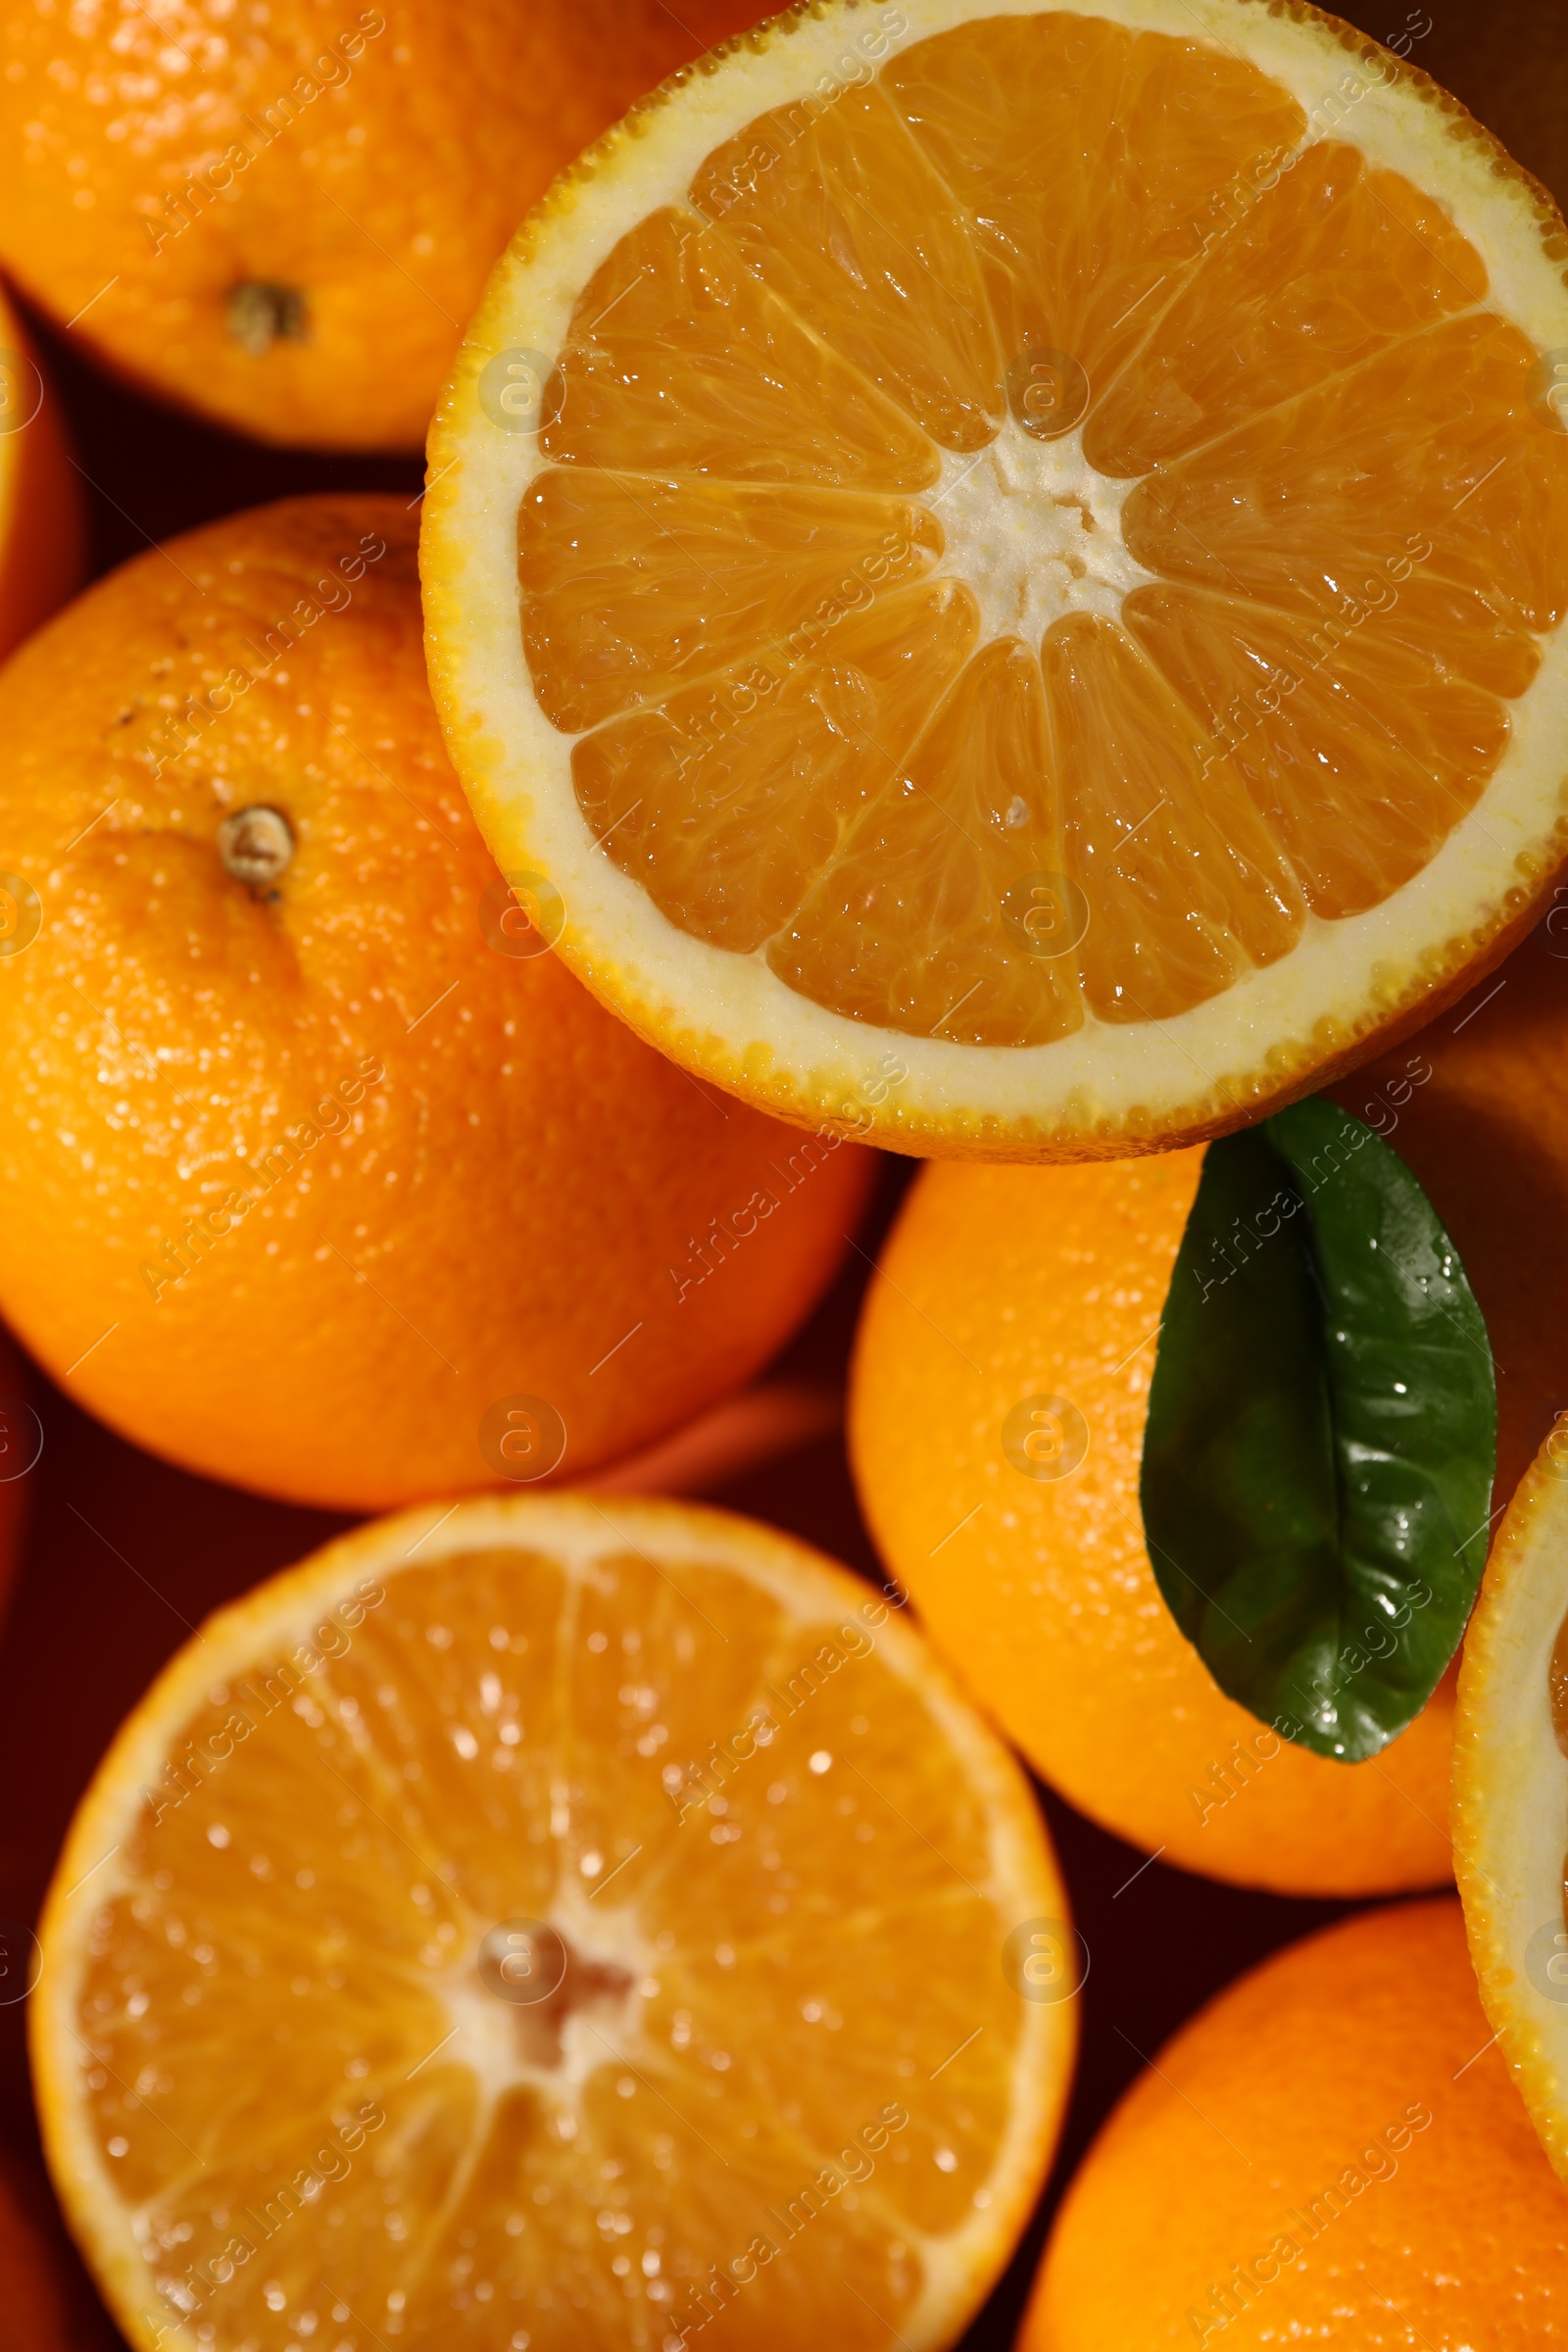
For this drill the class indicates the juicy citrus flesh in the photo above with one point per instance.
(791, 1983)
(1003, 552)
(1510, 1792)
(1010, 1336)
(307, 1176)
(1330, 2153)
(858, 803)
(287, 228)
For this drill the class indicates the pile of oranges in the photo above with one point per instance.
(988, 588)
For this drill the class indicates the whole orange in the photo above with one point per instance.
(42, 533)
(321, 1174)
(282, 216)
(1008, 1290)
(1331, 2152)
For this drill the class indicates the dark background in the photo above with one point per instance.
(125, 1555)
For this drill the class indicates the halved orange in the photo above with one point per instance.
(1009, 564)
(1510, 1790)
(553, 1922)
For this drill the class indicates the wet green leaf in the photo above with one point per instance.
(1322, 1433)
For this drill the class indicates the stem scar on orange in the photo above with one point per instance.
(281, 219)
(323, 1175)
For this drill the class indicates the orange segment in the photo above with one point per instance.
(840, 214)
(1084, 194)
(680, 359)
(1184, 882)
(520, 1925)
(1434, 444)
(723, 570)
(1133, 307)
(972, 818)
(699, 796)
(1337, 262)
(1309, 727)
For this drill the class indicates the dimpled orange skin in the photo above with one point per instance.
(1006, 1283)
(374, 160)
(1314, 2073)
(496, 1214)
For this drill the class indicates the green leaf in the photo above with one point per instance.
(1322, 1433)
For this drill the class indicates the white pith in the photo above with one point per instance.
(1510, 1796)
(485, 2030)
(1034, 531)
(728, 1014)
(577, 1536)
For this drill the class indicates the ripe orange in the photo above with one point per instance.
(42, 532)
(1331, 2153)
(1008, 1290)
(325, 1181)
(1044, 552)
(522, 1922)
(283, 218)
